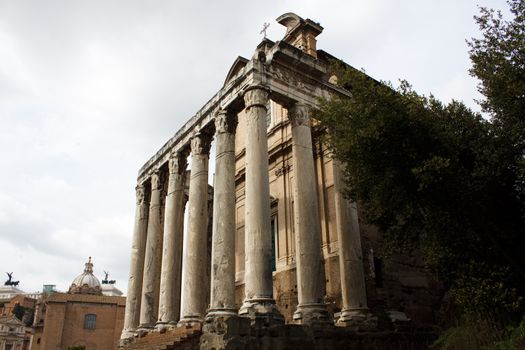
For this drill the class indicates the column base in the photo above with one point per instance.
(220, 313)
(163, 326)
(311, 314)
(144, 328)
(190, 321)
(127, 336)
(261, 312)
(359, 318)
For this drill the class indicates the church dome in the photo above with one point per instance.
(86, 283)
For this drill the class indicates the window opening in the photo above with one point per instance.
(90, 321)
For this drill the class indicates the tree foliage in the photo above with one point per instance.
(438, 177)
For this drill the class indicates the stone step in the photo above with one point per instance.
(179, 338)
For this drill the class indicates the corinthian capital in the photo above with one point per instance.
(256, 95)
(177, 163)
(299, 115)
(155, 180)
(225, 122)
(140, 194)
(200, 144)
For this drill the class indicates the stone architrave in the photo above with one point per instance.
(310, 271)
(195, 256)
(138, 246)
(171, 271)
(222, 298)
(353, 289)
(150, 285)
(259, 304)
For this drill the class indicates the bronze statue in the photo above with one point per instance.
(10, 281)
(105, 280)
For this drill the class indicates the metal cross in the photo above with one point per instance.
(263, 31)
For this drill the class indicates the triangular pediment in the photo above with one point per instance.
(240, 63)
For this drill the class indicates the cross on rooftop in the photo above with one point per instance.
(265, 26)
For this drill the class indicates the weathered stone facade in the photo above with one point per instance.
(286, 246)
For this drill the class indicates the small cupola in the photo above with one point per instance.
(87, 282)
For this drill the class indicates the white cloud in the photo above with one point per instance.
(90, 90)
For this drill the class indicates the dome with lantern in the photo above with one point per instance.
(87, 282)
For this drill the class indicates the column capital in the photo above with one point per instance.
(177, 163)
(225, 122)
(155, 180)
(256, 96)
(140, 191)
(200, 144)
(299, 114)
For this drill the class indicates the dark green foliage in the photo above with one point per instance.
(441, 179)
(24, 314)
(19, 311)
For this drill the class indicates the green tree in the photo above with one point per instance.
(439, 178)
(19, 311)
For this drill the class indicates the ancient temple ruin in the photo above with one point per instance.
(285, 245)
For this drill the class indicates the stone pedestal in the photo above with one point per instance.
(222, 298)
(171, 273)
(136, 269)
(195, 248)
(355, 311)
(310, 272)
(150, 282)
(259, 304)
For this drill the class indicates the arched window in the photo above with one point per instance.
(90, 321)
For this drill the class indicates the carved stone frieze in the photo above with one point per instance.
(292, 78)
(299, 115)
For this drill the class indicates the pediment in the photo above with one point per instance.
(240, 63)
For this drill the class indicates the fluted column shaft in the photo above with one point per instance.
(195, 248)
(222, 298)
(150, 285)
(310, 272)
(136, 269)
(353, 287)
(171, 272)
(259, 300)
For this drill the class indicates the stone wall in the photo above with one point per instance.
(64, 322)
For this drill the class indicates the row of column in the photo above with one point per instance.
(162, 248)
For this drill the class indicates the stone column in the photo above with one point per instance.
(222, 298)
(195, 247)
(150, 285)
(259, 304)
(310, 271)
(355, 310)
(136, 268)
(170, 277)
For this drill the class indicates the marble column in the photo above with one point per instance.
(259, 304)
(310, 271)
(150, 282)
(355, 310)
(195, 247)
(136, 269)
(171, 271)
(222, 298)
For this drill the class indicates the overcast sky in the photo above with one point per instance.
(89, 90)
